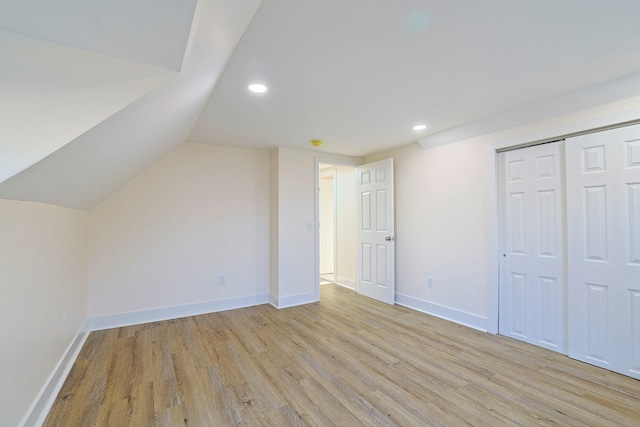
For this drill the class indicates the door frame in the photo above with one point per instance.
(316, 210)
(532, 135)
(334, 214)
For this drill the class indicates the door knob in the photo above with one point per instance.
(388, 238)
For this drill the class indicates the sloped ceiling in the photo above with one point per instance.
(82, 171)
(68, 65)
(153, 32)
(358, 74)
(51, 94)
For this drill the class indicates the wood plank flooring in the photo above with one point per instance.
(345, 361)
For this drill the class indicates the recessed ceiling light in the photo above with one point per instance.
(419, 127)
(257, 88)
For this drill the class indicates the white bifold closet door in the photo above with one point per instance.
(603, 213)
(532, 277)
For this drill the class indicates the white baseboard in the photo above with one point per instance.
(443, 312)
(273, 300)
(292, 300)
(175, 312)
(347, 283)
(42, 404)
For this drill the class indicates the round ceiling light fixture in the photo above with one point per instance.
(419, 127)
(257, 88)
(317, 142)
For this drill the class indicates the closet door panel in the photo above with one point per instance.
(532, 284)
(603, 217)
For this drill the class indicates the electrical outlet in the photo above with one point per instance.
(430, 282)
(222, 280)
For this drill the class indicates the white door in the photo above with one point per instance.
(327, 212)
(375, 252)
(532, 277)
(603, 206)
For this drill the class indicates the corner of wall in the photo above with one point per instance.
(42, 404)
(292, 300)
(443, 312)
(274, 261)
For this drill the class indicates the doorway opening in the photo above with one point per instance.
(336, 224)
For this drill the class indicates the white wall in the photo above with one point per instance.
(164, 239)
(296, 204)
(440, 197)
(446, 215)
(274, 229)
(326, 223)
(43, 269)
(294, 191)
(346, 226)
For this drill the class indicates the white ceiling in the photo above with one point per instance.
(153, 32)
(92, 166)
(67, 65)
(52, 94)
(357, 74)
(360, 73)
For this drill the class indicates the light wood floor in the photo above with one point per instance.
(345, 361)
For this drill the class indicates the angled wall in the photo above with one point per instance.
(43, 260)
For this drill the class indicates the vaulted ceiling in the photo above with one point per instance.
(94, 92)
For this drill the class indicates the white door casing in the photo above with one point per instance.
(603, 206)
(532, 272)
(375, 245)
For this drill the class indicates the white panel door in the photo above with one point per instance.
(375, 231)
(603, 207)
(532, 277)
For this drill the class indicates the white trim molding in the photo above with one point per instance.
(443, 312)
(316, 208)
(547, 109)
(174, 312)
(347, 283)
(43, 402)
(292, 300)
(588, 119)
